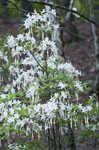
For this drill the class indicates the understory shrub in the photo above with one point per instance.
(41, 94)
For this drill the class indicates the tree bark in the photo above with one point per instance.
(96, 47)
(68, 134)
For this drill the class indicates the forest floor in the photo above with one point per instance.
(81, 54)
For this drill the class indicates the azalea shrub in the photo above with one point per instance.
(41, 90)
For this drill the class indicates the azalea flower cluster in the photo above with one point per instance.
(16, 146)
(16, 115)
(41, 82)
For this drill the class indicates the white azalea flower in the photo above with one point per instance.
(16, 116)
(56, 95)
(28, 22)
(5, 114)
(33, 40)
(20, 37)
(11, 119)
(3, 96)
(11, 111)
(79, 86)
(63, 94)
(11, 41)
(89, 108)
(61, 85)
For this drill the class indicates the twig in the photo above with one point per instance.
(38, 63)
(20, 9)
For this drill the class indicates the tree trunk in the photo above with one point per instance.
(96, 47)
(68, 135)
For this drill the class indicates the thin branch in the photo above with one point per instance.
(56, 6)
(19, 9)
(96, 47)
(65, 8)
(43, 69)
